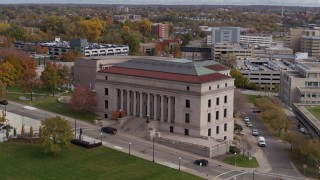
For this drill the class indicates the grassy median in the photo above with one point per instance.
(27, 161)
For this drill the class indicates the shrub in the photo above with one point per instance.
(234, 149)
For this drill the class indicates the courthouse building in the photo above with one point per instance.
(182, 97)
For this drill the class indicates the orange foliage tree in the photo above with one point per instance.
(70, 56)
(83, 99)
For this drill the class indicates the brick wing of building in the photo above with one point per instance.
(193, 99)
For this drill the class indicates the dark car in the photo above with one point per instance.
(109, 130)
(201, 162)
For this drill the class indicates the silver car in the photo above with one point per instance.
(255, 132)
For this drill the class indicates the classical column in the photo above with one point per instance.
(121, 99)
(134, 103)
(155, 100)
(161, 108)
(141, 115)
(148, 104)
(128, 104)
(169, 109)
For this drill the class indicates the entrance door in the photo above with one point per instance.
(171, 129)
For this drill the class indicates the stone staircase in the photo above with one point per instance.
(134, 126)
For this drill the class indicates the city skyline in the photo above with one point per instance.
(305, 3)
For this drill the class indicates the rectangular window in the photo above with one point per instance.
(226, 84)
(106, 91)
(106, 104)
(225, 127)
(217, 130)
(187, 118)
(225, 99)
(209, 117)
(188, 88)
(106, 77)
(186, 132)
(217, 101)
(225, 113)
(209, 132)
(209, 103)
(187, 103)
(106, 116)
(217, 115)
(218, 86)
(171, 129)
(209, 88)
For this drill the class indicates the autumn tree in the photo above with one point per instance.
(240, 102)
(23, 132)
(56, 135)
(144, 26)
(83, 99)
(70, 56)
(133, 42)
(29, 77)
(54, 76)
(13, 60)
(31, 134)
(239, 80)
(54, 25)
(177, 51)
(92, 28)
(17, 32)
(3, 90)
(7, 73)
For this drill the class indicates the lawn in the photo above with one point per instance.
(241, 161)
(48, 103)
(315, 110)
(251, 98)
(25, 161)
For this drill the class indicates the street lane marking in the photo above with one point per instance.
(117, 147)
(236, 175)
(29, 108)
(224, 173)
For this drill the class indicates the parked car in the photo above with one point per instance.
(249, 124)
(246, 119)
(201, 162)
(262, 141)
(255, 132)
(303, 130)
(256, 110)
(109, 130)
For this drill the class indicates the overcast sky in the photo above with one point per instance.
(313, 3)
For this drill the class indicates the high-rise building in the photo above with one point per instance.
(160, 30)
(225, 35)
(293, 39)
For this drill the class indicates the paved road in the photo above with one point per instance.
(170, 157)
(274, 150)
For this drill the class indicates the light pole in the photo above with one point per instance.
(153, 149)
(179, 162)
(75, 126)
(235, 160)
(129, 147)
(101, 137)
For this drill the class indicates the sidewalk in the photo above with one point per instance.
(264, 165)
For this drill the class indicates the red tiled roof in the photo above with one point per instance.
(165, 76)
(217, 67)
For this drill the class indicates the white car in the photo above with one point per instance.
(255, 132)
(249, 124)
(246, 119)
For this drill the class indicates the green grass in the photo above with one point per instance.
(251, 98)
(26, 161)
(315, 110)
(241, 161)
(49, 103)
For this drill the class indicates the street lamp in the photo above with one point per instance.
(101, 137)
(75, 126)
(179, 162)
(153, 149)
(129, 147)
(235, 161)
